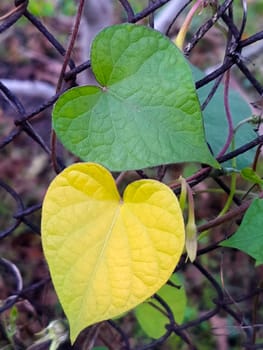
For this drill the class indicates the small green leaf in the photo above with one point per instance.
(249, 236)
(215, 121)
(13, 315)
(151, 320)
(145, 111)
(42, 8)
(250, 175)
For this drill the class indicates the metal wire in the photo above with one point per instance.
(23, 125)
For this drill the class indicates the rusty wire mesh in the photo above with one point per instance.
(22, 213)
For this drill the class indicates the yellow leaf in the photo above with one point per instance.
(106, 254)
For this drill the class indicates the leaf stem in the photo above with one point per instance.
(228, 116)
(231, 214)
(229, 140)
(180, 38)
(120, 177)
(61, 76)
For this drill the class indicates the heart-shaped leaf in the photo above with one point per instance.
(249, 236)
(106, 254)
(145, 111)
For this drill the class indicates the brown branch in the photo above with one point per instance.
(234, 213)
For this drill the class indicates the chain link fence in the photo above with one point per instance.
(27, 158)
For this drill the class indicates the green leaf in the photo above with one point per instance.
(107, 254)
(249, 236)
(145, 111)
(250, 175)
(215, 121)
(42, 7)
(151, 320)
(68, 7)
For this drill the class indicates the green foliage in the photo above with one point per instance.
(215, 121)
(99, 245)
(48, 8)
(151, 320)
(44, 8)
(145, 111)
(249, 236)
(250, 175)
(10, 324)
(68, 7)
